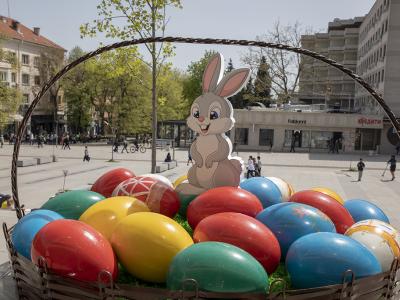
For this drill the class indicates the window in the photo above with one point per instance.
(383, 75)
(367, 139)
(13, 77)
(36, 61)
(242, 136)
(266, 137)
(3, 76)
(25, 59)
(37, 80)
(25, 98)
(25, 79)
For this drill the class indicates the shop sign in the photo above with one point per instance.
(297, 122)
(368, 121)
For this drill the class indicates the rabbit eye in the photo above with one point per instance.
(196, 114)
(214, 115)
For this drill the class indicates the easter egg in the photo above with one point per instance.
(72, 204)
(222, 199)
(74, 249)
(161, 178)
(159, 197)
(146, 243)
(264, 189)
(105, 215)
(27, 227)
(322, 258)
(185, 200)
(330, 193)
(217, 267)
(364, 210)
(379, 237)
(179, 180)
(329, 206)
(106, 184)
(283, 186)
(244, 232)
(289, 221)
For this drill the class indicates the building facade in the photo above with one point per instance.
(27, 47)
(307, 131)
(321, 84)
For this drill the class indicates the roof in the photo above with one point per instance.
(24, 33)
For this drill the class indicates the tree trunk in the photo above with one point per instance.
(154, 95)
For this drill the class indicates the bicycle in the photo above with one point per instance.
(140, 148)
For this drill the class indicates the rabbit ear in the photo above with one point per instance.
(233, 82)
(212, 73)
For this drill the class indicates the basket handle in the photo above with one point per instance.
(204, 41)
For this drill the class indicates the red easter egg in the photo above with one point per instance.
(159, 197)
(106, 184)
(222, 199)
(74, 249)
(244, 232)
(328, 205)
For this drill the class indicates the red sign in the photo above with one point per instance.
(366, 121)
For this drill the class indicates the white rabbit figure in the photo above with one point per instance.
(211, 115)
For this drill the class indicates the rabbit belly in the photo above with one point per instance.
(205, 176)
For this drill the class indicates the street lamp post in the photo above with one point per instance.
(113, 131)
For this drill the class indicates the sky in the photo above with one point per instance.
(59, 21)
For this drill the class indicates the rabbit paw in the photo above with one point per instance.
(199, 164)
(209, 163)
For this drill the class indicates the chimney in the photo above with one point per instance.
(15, 25)
(36, 30)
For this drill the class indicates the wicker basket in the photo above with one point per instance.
(37, 282)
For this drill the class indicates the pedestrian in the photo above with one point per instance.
(32, 138)
(255, 167)
(125, 144)
(259, 165)
(168, 158)
(190, 160)
(86, 156)
(360, 167)
(1, 140)
(66, 142)
(337, 146)
(292, 144)
(392, 162)
(250, 167)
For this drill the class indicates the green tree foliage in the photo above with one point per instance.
(262, 83)
(192, 83)
(129, 19)
(10, 100)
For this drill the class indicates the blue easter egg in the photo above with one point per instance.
(27, 227)
(265, 190)
(290, 221)
(322, 258)
(362, 210)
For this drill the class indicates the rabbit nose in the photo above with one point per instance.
(201, 119)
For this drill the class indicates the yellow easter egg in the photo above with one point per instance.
(329, 192)
(180, 180)
(105, 215)
(145, 244)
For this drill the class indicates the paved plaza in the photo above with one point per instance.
(303, 170)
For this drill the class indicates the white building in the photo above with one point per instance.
(27, 46)
(320, 83)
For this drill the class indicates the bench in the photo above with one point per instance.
(166, 166)
(44, 160)
(26, 162)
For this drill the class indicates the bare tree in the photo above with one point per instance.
(284, 66)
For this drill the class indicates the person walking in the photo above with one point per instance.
(250, 167)
(1, 141)
(360, 167)
(259, 165)
(86, 156)
(190, 160)
(125, 144)
(66, 142)
(392, 162)
(292, 144)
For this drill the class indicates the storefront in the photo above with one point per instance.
(306, 131)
